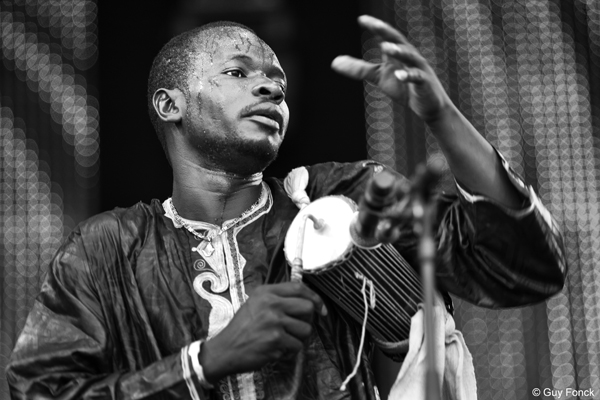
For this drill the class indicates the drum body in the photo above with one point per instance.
(336, 267)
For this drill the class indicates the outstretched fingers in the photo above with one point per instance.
(409, 75)
(379, 28)
(406, 54)
(355, 68)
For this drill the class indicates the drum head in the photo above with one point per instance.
(328, 246)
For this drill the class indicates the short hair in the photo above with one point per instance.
(171, 67)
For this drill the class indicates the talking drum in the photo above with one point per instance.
(346, 273)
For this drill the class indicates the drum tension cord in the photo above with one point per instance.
(369, 303)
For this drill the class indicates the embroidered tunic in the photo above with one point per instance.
(130, 294)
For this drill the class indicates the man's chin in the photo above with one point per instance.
(237, 154)
(246, 165)
(245, 158)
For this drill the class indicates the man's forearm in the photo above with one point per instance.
(472, 158)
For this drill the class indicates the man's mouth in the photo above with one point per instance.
(265, 120)
(267, 116)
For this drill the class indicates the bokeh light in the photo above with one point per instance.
(57, 84)
(47, 116)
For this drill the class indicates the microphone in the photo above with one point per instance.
(399, 200)
(379, 194)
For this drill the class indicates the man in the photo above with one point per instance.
(186, 298)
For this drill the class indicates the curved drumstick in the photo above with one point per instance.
(297, 264)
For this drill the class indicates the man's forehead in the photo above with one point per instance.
(225, 40)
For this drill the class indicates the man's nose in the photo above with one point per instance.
(269, 89)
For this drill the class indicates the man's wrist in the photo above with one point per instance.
(446, 111)
(210, 364)
(199, 366)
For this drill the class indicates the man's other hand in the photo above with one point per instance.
(403, 73)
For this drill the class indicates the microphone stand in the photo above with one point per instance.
(424, 217)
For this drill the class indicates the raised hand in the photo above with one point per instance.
(402, 73)
(272, 324)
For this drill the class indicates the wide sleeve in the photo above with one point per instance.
(496, 256)
(69, 348)
(487, 254)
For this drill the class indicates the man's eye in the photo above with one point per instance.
(235, 72)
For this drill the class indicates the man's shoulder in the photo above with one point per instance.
(134, 219)
(99, 242)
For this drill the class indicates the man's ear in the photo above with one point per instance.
(169, 104)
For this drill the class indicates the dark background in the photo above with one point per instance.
(326, 110)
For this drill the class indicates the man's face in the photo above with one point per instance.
(236, 114)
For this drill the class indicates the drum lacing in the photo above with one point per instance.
(369, 303)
